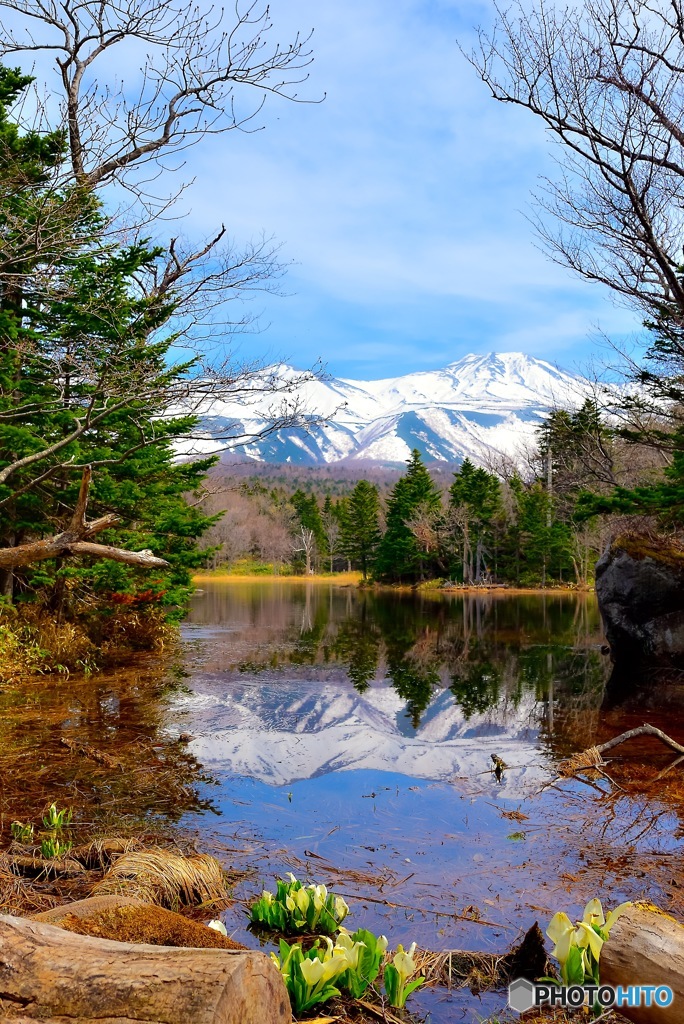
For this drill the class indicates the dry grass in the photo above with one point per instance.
(19, 896)
(478, 971)
(337, 579)
(462, 969)
(167, 879)
(33, 642)
(590, 758)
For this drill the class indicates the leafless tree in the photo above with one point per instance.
(428, 526)
(607, 80)
(333, 535)
(305, 541)
(202, 70)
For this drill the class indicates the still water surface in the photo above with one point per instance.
(349, 737)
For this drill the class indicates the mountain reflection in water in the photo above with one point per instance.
(301, 680)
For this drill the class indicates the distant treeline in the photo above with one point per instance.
(467, 523)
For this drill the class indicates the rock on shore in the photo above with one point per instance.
(640, 591)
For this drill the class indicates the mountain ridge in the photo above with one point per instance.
(475, 407)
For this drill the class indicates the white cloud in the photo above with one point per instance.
(399, 197)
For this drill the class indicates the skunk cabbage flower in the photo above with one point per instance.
(404, 962)
(301, 897)
(312, 971)
(341, 909)
(561, 931)
(218, 926)
(586, 936)
(593, 913)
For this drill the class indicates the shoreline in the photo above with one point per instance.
(343, 579)
(347, 579)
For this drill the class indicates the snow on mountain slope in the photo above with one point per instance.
(474, 407)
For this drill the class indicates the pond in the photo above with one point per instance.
(350, 733)
(347, 736)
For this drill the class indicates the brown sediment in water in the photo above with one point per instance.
(96, 743)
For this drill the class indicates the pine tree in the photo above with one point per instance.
(539, 545)
(361, 530)
(77, 335)
(400, 555)
(474, 506)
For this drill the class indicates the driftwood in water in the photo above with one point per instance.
(51, 975)
(642, 730)
(592, 758)
(646, 947)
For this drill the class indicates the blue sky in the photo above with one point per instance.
(399, 202)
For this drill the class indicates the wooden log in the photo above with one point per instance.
(51, 975)
(646, 947)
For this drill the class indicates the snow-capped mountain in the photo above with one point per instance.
(473, 407)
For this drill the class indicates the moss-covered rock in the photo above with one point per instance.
(640, 590)
(125, 919)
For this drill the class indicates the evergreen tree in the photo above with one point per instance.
(474, 506)
(81, 344)
(541, 545)
(361, 530)
(400, 556)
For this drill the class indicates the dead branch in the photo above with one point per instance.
(76, 540)
(642, 730)
(593, 756)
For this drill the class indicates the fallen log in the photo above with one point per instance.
(49, 974)
(646, 947)
(34, 865)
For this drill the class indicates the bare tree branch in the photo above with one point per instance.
(607, 81)
(198, 65)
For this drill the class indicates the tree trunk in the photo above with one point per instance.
(646, 947)
(50, 975)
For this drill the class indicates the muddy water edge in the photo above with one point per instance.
(347, 736)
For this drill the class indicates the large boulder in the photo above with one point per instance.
(640, 591)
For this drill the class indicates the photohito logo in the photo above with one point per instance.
(524, 995)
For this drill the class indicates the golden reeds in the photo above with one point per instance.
(167, 879)
(590, 758)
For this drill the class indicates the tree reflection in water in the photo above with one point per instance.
(488, 650)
